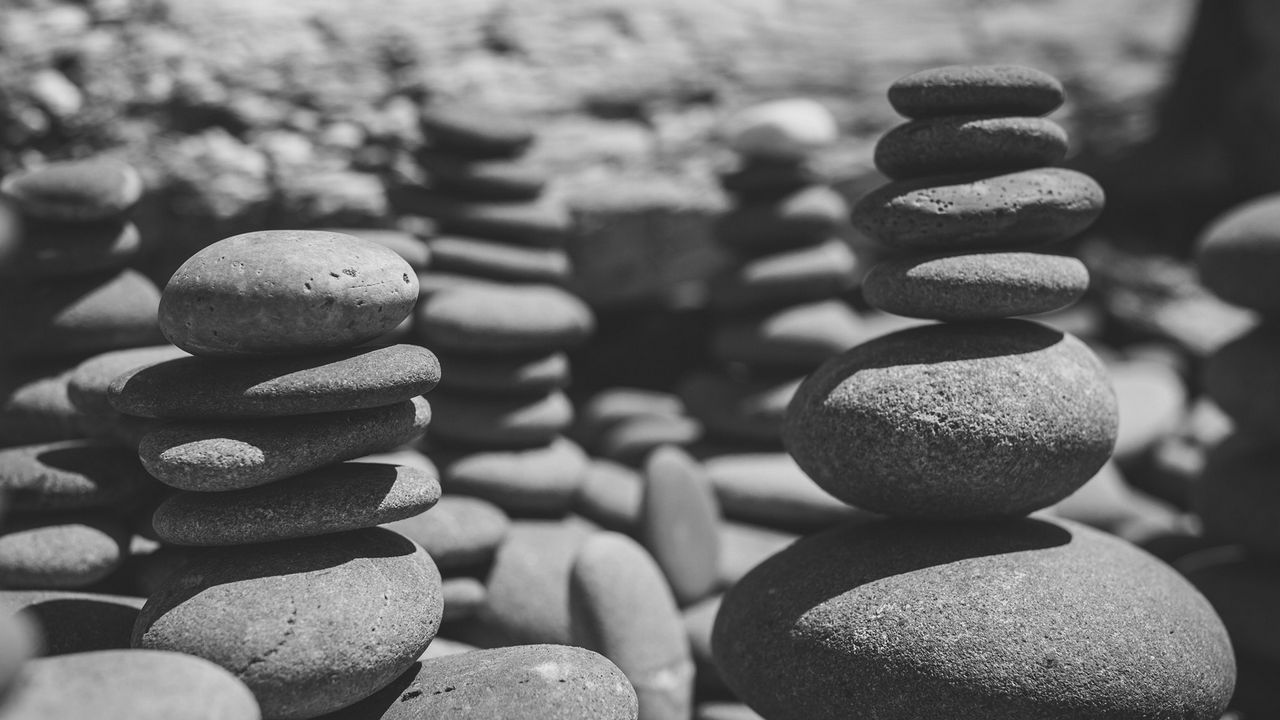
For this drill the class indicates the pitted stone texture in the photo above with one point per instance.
(977, 90)
(76, 191)
(955, 420)
(310, 625)
(730, 409)
(1007, 620)
(978, 211)
(946, 145)
(208, 388)
(230, 455)
(1238, 256)
(79, 315)
(496, 319)
(978, 286)
(285, 292)
(347, 496)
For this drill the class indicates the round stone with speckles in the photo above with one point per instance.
(976, 90)
(947, 145)
(285, 292)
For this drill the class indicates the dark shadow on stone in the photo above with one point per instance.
(74, 625)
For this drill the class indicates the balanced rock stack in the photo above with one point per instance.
(68, 291)
(781, 316)
(957, 605)
(1237, 497)
(294, 589)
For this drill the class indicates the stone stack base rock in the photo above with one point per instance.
(957, 605)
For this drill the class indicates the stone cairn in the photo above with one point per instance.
(68, 293)
(1236, 495)
(957, 605)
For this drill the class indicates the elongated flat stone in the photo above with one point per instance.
(1238, 255)
(476, 131)
(61, 551)
(978, 211)
(539, 481)
(498, 320)
(55, 249)
(498, 260)
(229, 455)
(207, 388)
(500, 423)
(770, 489)
(75, 190)
(75, 622)
(730, 409)
(34, 407)
(285, 292)
(493, 179)
(786, 278)
(347, 496)
(508, 375)
(946, 145)
(799, 337)
(70, 475)
(976, 90)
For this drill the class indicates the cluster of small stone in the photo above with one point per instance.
(1236, 496)
(957, 605)
(780, 314)
(68, 294)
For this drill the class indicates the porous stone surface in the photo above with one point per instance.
(69, 475)
(978, 211)
(346, 496)
(54, 249)
(549, 682)
(229, 455)
(540, 480)
(1239, 254)
(975, 286)
(1243, 377)
(509, 375)
(459, 532)
(61, 551)
(310, 625)
(976, 89)
(206, 388)
(494, 319)
(500, 423)
(75, 191)
(947, 145)
(924, 630)
(955, 420)
(285, 292)
(75, 622)
(411, 248)
(134, 684)
(79, 315)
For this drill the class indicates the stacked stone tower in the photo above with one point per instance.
(779, 311)
(957, 605)
(293, 588)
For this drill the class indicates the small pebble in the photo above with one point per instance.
(788, 129)
(611, 406)
(75, 191)
(60, 551)
(977, 90)
(497, 423)
(88, 385)
(978, 286)
(536, 481)
(1152, 400)
(630, 441)
(498, 260)
(947, 145)
(494, 319)
(285, 292)
(680, 523)
(229, 455)
(460, 532)
(979, 211)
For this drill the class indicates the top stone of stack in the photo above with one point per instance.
(81, 191)
(285, 292)
(976, 90)
(781, 130)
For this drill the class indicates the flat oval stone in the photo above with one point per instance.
(309, 625)
(611, 495)
(60, 551)
(459, 532)
(536, 481)
(88, 385)
(500, 423)
(476, 132)
(759, 179)
(1237, 495)
(785, 278)
(978, 211)
(79, 315)
(924, 631)
(75, 622)
(496, 319)
(750, 411)
(509, 375)
(544, 222)
(229, 455)
(285, 292)
(411, 248)
(680, 523)
(976, 90)
(34, 407)
(346, 496)
(630, 441)
(495, 179)
(770, 489)
(75, 190)
(784, 129)
(208, 388)
(549, 682)
(56, 249)
(614, 405)
(1241, 377)
(499, 260)
(1238, 255)
(621, 606)
(978, 286)
(948, 145)
(799, 337)
(70, 475)
(955, 420)
(806, 217)
(106, 684)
